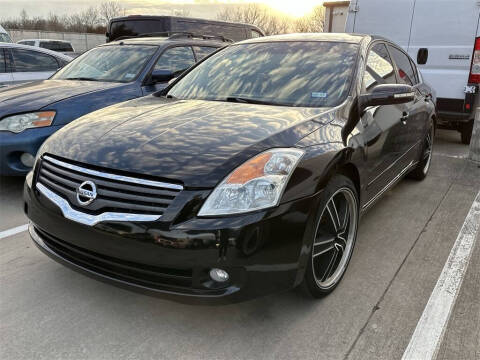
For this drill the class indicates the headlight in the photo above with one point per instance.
(257, 184)
(18, 123)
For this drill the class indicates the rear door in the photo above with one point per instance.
(447, 30)
(6, 77)
(415, 113)
(29, 65)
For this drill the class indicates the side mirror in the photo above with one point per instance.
(386, 94)
(160, 76)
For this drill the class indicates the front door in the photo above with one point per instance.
(175, 59)
(382, 125)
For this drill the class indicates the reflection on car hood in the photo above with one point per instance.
(36, 95)
(194, 141)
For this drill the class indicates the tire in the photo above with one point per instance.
(466, 132)
(334, 237)
(421, 169)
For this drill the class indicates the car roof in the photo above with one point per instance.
(38, 49)
(156, 17)
(58, 40)
(336, 37)
(166, 40)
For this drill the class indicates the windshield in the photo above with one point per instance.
(5, 38)
(310, 74)
(118, 63)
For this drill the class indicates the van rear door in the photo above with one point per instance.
(389, 18)
(447, 29)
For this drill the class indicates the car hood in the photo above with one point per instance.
(193, 141)
(36, 95)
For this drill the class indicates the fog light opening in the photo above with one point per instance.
(219, 275)
(27, 159)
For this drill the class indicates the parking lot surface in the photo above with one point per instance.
(50, 312)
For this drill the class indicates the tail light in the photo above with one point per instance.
(475, 67)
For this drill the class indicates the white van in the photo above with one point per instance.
(4, 37)
(442, 36)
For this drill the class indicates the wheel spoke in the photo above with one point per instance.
(323, 245)
(346, 219)
(332, 211)
(341, 242)
(331, 266)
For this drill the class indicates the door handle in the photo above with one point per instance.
(404, 118)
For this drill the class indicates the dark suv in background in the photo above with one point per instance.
(106, 75)
(137, 25)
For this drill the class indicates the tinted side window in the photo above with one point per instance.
(135, 27)
(255, 34)
(56, 46)
(3, 67)
(176, 59)
(30, 43)
(379, 68)
(406, 75)
(26, 60)
(202, 51)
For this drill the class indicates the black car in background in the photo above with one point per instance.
(245, 176)
(141, 25)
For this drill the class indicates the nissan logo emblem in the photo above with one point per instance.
(86, 193)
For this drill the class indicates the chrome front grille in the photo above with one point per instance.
(114, 193)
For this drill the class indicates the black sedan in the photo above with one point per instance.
(245, 176)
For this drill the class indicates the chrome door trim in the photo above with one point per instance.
(113, 176)
(389, 185)
(88, 219)
(393, 163)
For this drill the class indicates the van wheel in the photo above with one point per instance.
(466, 132)
(334, 237)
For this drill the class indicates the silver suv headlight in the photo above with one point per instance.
(257, 184)
(20, 122)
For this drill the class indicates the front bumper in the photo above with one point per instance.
(12, 146)
(263, 252)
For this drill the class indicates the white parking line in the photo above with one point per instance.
(13, 231)
(430, 329)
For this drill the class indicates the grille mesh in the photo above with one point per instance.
(115, 192)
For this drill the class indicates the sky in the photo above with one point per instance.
(196, 8)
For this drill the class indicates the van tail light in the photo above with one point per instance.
(475, 67)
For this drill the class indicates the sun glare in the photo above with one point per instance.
(294, 8)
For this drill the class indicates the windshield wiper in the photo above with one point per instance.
(240, 99)
(81, 78)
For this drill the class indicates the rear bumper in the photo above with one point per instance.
(452, 112)
(12, 146)
(263, 252)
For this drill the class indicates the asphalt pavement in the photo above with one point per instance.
(50, 312)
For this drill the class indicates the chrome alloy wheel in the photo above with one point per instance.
(428, 147)
(334, 238)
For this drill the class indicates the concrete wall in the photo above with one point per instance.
(81, 42)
